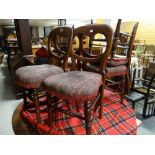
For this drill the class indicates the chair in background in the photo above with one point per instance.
(78, 87)
(29, 78)
(144, 89)
(117, 68)
(123, 44)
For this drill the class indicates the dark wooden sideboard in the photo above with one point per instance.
(24, 56)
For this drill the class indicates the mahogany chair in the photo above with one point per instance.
(81, 88)
(117, 69)
(123, 44)
(29, 78)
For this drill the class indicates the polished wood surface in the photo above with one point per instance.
(60, 46)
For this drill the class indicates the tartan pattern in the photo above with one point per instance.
(32, 76)
(76, 85)
(118, 119)
(116, 62)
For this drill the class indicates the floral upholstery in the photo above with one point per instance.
(75, 85)
(116, 62)
(110, 71)
(32, 76)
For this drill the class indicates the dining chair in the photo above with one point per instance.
(29, 78)
(145, 87)
(117, 68)
(79, 87)
(121, 56)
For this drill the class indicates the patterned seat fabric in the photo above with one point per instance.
(116, 71)
(116, 62)
(75, 85)
(110, 71)
(32, 76)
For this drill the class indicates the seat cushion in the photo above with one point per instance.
(110, 71)
(116, 71)
(75, 85)
(116, 62)
(32, 76)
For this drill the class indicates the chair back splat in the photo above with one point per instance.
(84, 55)
(60, 46)
(116, 38)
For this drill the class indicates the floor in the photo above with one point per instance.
(8, 104)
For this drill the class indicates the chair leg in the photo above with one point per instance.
(49, 110)
(101, 108)
(133, 105)
(144, 109)
(87, 118)
(127, 82)
(36, 101)
(101, 98)
(122, 89)
(25, 99)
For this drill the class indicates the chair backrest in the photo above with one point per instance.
(82, 55)
(60, 45)
(148, 82)
(124, 41)
(150, 71)
(116, 37)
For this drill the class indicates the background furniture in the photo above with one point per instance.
(144, 89)
(12, 48)
(25, 49)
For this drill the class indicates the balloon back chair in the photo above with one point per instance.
(79, 87)
(29, 78)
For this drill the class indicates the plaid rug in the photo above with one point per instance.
(118, 119)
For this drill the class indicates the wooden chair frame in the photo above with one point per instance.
(59, 55)
(147, 90)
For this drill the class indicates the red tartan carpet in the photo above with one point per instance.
(118, 119)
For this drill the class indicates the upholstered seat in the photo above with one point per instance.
(112, 62)
(116, 71)
(32, 76)
(75, 85)
(110, 71)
